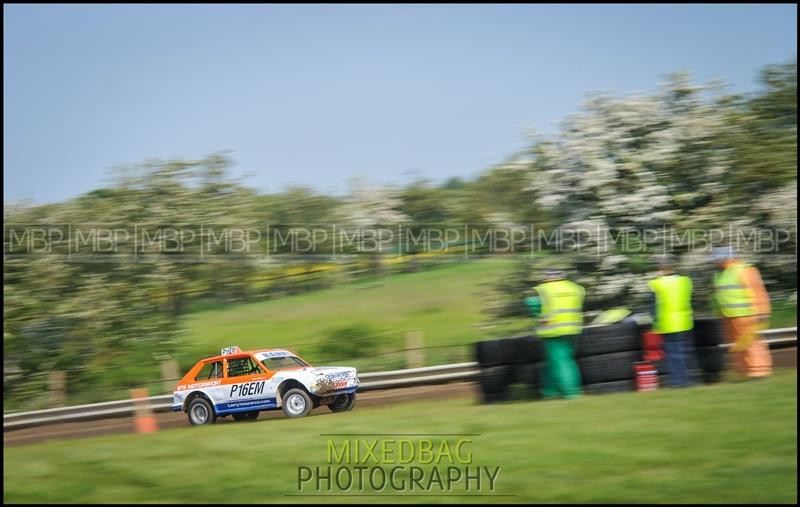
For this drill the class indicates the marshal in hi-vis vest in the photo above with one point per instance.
(562, 308)
(734, 298)
(673, 304)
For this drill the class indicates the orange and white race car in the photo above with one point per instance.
(242, 384)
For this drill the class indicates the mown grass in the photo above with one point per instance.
(784, 314)
(448, 304)
(726, 443)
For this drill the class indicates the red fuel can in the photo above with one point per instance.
(646, 376)
(652, 346)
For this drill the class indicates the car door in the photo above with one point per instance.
(209, 380)
(245, 386)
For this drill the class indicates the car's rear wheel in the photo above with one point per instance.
(343, 403)
(296, 403)
(200, 412)
(246, 416)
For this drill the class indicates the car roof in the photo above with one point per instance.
(244, 353)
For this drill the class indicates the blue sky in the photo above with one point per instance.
(315, 94)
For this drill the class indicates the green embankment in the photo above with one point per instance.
(447, 303)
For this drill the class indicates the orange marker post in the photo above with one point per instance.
(144, 420)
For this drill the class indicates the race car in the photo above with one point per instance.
(242, 384)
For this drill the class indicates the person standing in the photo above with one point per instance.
(744, 303)
(560, 324)
(673, 319)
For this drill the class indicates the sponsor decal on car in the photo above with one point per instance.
(199, 385)
(274, 353)
(259, 403)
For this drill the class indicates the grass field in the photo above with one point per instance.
(446, 303)
(784, 314)
(726, 443)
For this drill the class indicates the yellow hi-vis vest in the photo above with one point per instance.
(733, 298)
(673, 304)
(562, 308)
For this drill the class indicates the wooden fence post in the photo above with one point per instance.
(415, 355)
(169, 374)
(56, 384)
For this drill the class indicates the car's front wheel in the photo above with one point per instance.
(200, 412)
(343, 403)
(296, 403)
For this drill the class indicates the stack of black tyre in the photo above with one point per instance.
(509, 361)
(606, 357)
(710, 356)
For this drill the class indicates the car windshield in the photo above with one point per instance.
(280, 363)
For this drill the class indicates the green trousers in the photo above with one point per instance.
(561, 375)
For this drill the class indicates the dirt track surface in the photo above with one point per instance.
(167, 420)
(785, 358)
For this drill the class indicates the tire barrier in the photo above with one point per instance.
(710, 357)
(528, 373)
(488, 353)
(506, 362)
(518, 350)
(623, 336)
(494, 382)
(707, 332)
(711, 362)
(609, 367)
(617, 386)
(605, 354)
